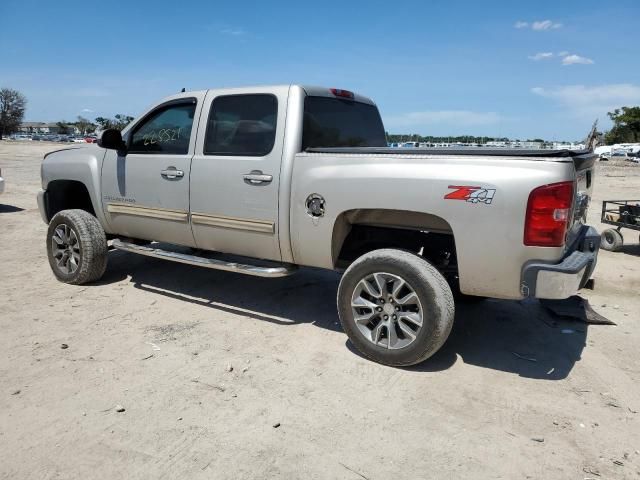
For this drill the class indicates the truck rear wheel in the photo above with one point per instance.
(396, 308)
(76, 247)
(611, 240)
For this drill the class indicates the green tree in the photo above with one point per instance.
(103, 122)
(119, 122)
(84, 125)
(12, 107)
(63, 128)
(626, 125)
(122, 121)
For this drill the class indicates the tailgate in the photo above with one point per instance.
(585, 173)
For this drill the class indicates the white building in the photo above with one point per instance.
(35, 128)
(568, 146)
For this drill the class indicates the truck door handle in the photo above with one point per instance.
(256, 177)
(171, 173)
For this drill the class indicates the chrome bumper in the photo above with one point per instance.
(561, 280)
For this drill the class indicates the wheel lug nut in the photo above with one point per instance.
(379, 309)
(382, 300)
(386, 317)
(394, 316)
(397, 309)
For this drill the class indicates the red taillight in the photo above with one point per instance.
(548, 212)
(342, 93)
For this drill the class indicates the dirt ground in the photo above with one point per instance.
(160, 338)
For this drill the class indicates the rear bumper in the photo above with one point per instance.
(561, 280)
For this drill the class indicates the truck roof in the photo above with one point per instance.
(311, 90)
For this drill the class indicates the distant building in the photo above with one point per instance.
(568, 146)
(530, 145)
(35, 128)
(515, 144)
(497, 144)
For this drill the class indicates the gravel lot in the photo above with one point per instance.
(160, 339)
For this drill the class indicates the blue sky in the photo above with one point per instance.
(517, 69)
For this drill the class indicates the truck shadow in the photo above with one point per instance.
(9, 208)
(519, 337)
(515, 337)
(630, 250)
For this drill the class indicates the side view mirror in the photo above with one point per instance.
(112, 139)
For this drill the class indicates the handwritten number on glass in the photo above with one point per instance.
(164, 135)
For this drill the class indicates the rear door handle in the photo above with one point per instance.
(172, 173)
(256, 177)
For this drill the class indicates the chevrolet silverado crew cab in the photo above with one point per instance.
(290, 176)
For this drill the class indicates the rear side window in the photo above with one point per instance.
(242, 125)
(165, 131)
(332, 122)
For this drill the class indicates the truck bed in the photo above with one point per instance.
(484, 152)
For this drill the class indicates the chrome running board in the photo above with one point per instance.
(271, 272)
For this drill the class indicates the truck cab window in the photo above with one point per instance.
(243, 125)
(165, 131)
(332, 122)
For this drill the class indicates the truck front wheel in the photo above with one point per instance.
(76, 247)
(396, 308)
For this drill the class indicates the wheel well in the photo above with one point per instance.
(357, 232)
(67, 194)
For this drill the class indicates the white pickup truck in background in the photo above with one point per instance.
(302, 176)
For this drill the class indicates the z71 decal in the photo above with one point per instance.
(471, 194)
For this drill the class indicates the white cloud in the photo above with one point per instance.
(521, 24)
(460, 118)
(236, 32)
(576, 59)
(545, 25)
(87, 110)
(567, 59)
(592, 101)
(541, 56)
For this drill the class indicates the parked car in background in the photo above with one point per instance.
(1, 182)
(634, 157)
(20, 136)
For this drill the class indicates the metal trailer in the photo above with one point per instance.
(621, 214)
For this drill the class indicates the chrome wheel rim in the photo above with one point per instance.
(387, 310)
(65, 249)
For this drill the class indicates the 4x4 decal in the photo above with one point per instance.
(471, 194)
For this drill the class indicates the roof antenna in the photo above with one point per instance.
(183, 90)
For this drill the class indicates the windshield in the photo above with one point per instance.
(333, 122)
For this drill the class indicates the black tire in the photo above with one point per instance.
(90, 242)
(432, 290)
(611, 240)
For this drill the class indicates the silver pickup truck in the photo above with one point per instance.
(289, 176)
